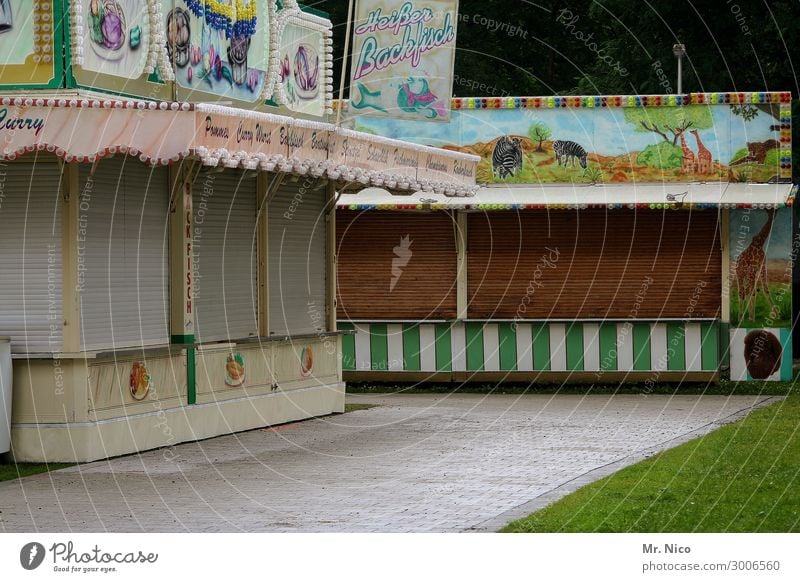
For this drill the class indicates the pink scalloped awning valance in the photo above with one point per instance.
(162, 133)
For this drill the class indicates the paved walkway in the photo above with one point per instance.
(416, 463)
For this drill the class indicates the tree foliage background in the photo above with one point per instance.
(522, 47)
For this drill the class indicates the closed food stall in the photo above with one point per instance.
(296, 241)
(31, 309)
(123, 263)
(395, 265)
(225, 262)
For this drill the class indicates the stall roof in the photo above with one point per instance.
(663, 195)
(84, 130)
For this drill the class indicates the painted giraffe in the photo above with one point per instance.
(689, 163)
(704, 158)
(751, 272)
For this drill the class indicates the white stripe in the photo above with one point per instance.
(458, 347)
(591, 347)
(694, 347)
(491, 347)
(558, 347)
(658, 347)
(738, 365)
(363, 352)
(524, 347)
(625, 347)
(427, 347)
(394, 340)
(776, 377)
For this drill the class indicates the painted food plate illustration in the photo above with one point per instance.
(112, 35)
(234, 370)
(139, 382)
(306, 362)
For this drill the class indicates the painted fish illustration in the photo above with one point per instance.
(423, 101)
(367, 99)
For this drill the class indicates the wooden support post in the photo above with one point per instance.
(330, 252)
(73, 244)
(461, 248)
(262, 191)
(181, 257)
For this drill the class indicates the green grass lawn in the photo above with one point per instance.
(743, 477)
(781, 296)
(9, 471)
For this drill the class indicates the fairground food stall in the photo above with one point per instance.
(615, 238)
(166, 263)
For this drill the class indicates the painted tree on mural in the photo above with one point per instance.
(670, 122)
(538, 132)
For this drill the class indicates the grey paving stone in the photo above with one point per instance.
(415, 463)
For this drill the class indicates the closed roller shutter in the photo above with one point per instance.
(123, 269)
(395, 265)
(225, 260)
(594, 264)
(296, 241)
(30, 256)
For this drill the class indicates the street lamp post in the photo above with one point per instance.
(679, 50)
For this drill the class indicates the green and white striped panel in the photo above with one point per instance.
(739, 370)
(532, 347)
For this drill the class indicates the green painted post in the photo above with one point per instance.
(411, 355)
(191, 383)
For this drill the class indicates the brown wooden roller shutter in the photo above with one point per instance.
(594, 264)
(371, 243)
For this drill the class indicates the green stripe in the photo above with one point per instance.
(786, 358)
(507, 336)
(540, 333)
(474, 336)
(444, 349)
(676, 347)
(608, 347)
(411, 355)
(709, 345)
(348, 347)
(641, 347)
(379, 347)
(182, 339)
(575, 347)
(191, 383)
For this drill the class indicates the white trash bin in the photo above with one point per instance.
(5, 394)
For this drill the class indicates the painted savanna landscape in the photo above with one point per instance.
(684, 145)
(761, 272)
(696, 143)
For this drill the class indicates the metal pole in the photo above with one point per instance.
(348, 24)
(680, 75)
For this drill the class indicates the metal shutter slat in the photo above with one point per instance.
(30, 256)
(125, 295)
(606, 261)
(296, 241)
(225, 260)
(371, 255)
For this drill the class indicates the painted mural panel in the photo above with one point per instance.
(219, 47)
(117, 37)
(761, 268)
(728, 143)
(761, 354)
(28, 32)
(403, 55)
(303, 73)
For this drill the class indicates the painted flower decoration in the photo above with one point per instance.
(306, 69)
(206, 62)
(218, 67)
(112, 31)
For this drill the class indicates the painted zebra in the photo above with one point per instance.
(507, 157)
(569, 150)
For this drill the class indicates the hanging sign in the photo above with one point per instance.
(403, 56)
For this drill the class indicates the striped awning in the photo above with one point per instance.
(645, 196)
